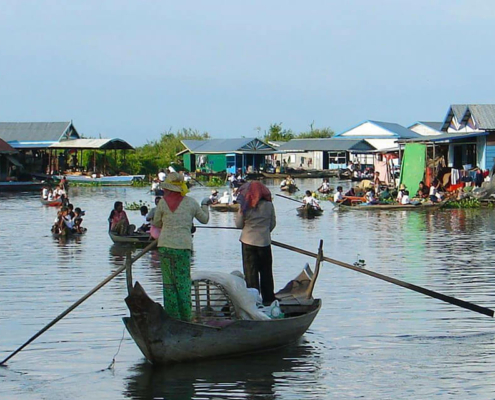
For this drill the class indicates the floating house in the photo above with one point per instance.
(331, 153)
(8, 163)
(218, 155)
(381, 135)
(426, 128)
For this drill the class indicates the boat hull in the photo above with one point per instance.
(124, 180)
(51, 203)
(21, 186)
(136, 239)
(400, 207)
(225, 207)
(164, 340)
(308, 212)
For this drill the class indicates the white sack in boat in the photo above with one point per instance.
(243, 301)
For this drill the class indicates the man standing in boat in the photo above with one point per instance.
(256, 217)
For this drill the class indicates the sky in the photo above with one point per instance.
(137, 69)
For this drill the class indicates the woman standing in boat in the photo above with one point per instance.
(174, 215)
(256, 217)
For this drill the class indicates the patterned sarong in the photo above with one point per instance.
(176, 274)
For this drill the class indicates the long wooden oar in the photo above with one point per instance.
(80, 301)
(448, 299)
(289, 198)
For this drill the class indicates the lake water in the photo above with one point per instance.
(371, 339)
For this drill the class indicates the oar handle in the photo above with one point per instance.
(80, 301)
(289, 198)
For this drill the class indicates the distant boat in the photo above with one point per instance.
(15, 186)
(51, 203)
(309, 212)
(225, 207)
(117, 180)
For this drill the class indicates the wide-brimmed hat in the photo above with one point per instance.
(174, 182)
(402, 186)
(214, 191)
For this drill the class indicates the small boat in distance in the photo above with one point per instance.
(309, 212)
(117, 180)
(225, 207)
(391, 206)
(51, 203)
(289, 188)
(134, 239)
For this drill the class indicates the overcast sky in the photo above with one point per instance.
(135, 69)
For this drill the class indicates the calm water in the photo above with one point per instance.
(371, 339)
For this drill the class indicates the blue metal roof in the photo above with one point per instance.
(329, 144)
(227, 145)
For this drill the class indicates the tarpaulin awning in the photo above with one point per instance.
(413, 165)
(14, 161)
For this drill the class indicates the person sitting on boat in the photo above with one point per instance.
(64, 184)
(405, 198)
(161, 175)
(155, 185)
(338, 196)
(174, 215)
(257, 219)
(310, 201)
(356, 174)
(119, 223)
(435, 195)
(385, 194)
(214, 196)
(423, 191)
(63, 224)
(225, 199)
(235, 193)
(370, 197)
(77, 228)
(232, 180)
(44, 192)
(400, 193)
(145, 226)
(50, 196)
(325, 187)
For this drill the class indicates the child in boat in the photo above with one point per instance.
(44, 193)
(402, 188)
(310, 201)
(338, 197)
(325, 187)
(405, 198)
(370, 197)
(214, 196)
(145, 226)
(77, 228)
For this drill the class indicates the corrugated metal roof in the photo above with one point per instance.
(433, 125)
(398, 131)
(34, 131)
(330, 144)
(484, 115)
(6, 148)
(102, 144)
(227, 145)
(446, 137)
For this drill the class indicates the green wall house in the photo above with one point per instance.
(225, 155)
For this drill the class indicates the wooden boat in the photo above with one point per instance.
(301, 174)
(289, 188)
(225, 207)
(16, 186)
(309, 212)
(393, 206)
(165, 340)
(135, 239)
(68, 234)
(51, 203)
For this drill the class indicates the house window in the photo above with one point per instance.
(337, 157)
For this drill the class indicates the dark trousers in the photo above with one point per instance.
(257, 265)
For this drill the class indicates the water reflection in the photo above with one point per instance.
(263, 375)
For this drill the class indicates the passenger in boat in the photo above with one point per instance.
(62, 224)
(119, 223)
(235, 193)
(310, 201)
(225, 199)
(400, 193)
(405, 198)
(423, 191)
(50, 196)
(325, 187)
(77, 228)
(385, 195)
(338, 197)
(145, 226)
(435, 195)
(377, 182)
(44, 192)
(161, 175)
(370, 197)
(214, 197)
(174, 215)
(232, 180)
(256, 217)
(155, 185)
(64, 185)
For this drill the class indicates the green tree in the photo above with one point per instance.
(316, 133)
(277, 134)
(157, 154)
